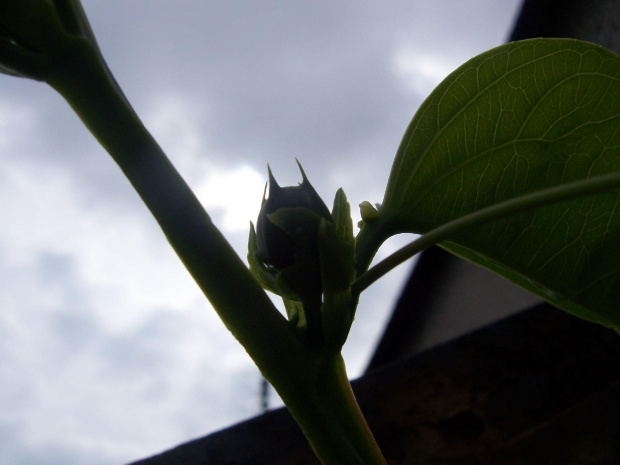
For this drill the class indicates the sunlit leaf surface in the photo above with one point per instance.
(518, 118)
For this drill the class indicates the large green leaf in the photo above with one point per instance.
(518, 118)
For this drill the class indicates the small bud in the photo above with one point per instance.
(368, 211)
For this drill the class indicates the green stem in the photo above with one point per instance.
(325, 407)
(509, 207)
(312, 384)
(84, 81)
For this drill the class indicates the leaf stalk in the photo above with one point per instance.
(536, 199)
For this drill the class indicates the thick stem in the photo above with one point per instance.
(312, 384)
(84, 81)
(327, 411)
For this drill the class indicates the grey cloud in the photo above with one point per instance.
(311, 80)
(276, 80)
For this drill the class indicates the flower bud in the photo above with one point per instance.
(306, 255)
(287, 249)
(276, 243)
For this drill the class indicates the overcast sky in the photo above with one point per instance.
(109, 353)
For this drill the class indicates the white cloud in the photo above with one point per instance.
(100, 327)
(174, 122)
(231, 193)
(234, 194)
(15, 120)
(420, 74)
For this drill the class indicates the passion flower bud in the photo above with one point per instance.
(287, 249)
(276, 241)
(306, 255)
